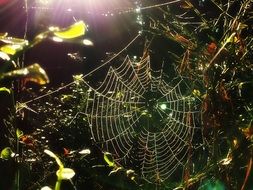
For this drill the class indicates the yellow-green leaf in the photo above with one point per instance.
(85, 151)
(74, 31)
(4, 56)
(39, 38)
(196, 93)
(32, 73)
(6, 153)
(57, 159)
(4, 89)
(19, 133)
(109, 159)
(37, 74)
(2, 35)
(65, 173)
(230, 39)
(11, 49)
(11, 40)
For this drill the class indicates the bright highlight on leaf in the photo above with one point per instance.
(3, 34)
(46, 188)
(37, 74)
(57, 39)
(50, 153)
(196, 93)
(109, 159)
(13, 41)
(53, 155)
(6, 153)
(11, 49)
(4, 56)
(85, 151)
(87, 42)
(65, 173)
(74, 31)
(13, 45)
(19, 133)
(33, 73)
(4, 89)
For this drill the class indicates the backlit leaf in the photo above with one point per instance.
(2, 35)
(37, 74)
(65, 173)
(14, 41)
(4, 89)
(19, 133)
(32, 73)
(39, 38)
(85, 151)
(45, 188)
(4, 56)
(75, 30)
(50, 153)
(88, 42)
(6, 153)
(109, 159)
(230, 39)
(57, 159)
(196, 93)
(11, 49)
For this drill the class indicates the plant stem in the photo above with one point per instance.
(58, 185)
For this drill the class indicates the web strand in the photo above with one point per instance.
(88, 74)
(134, 105)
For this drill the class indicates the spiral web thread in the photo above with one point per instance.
(142, 119)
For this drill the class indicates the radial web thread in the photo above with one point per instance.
(144, 118)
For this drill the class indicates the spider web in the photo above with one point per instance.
(143, 118)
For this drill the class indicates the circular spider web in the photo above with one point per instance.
(143, 118)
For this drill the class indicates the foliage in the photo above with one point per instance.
(10, 71)
(208, 41)
(213, 40)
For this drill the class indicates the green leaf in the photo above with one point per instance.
(45, 188)
(36, 74)
(11, 49)
(4, 56)
(4, 89)
(10, 40)
(19, 133)
(2, 35)
(84, 151)
(32, 73)
(65, 173)
(109, 159)
(6, 153)
(13, 44)
(74, 31)
(53, 155)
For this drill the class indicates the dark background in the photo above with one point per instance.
(110, 28)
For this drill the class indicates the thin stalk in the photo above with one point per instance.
(57, 185)
(17, 174)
